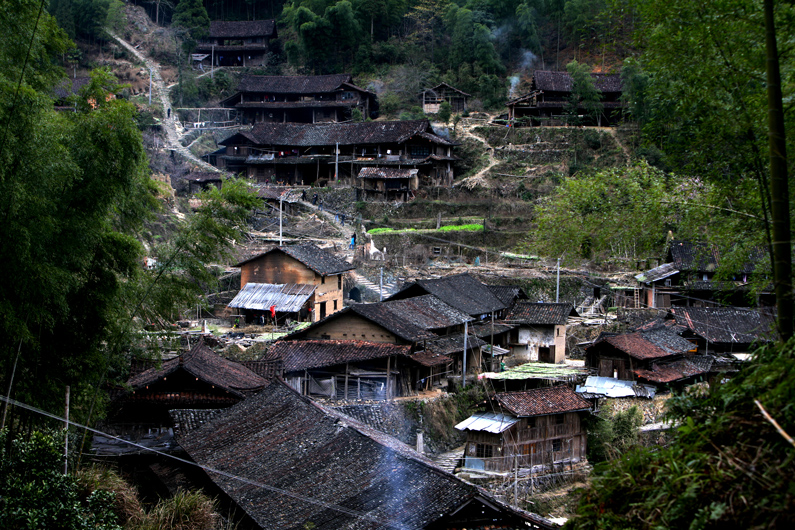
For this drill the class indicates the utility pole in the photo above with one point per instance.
(381, 286)
(464, 370)
(557, 286)
(212, 61)
(66, 436)
(515, 481)
(280, 221)
(150, 86)
(337, 162)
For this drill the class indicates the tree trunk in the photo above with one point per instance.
(779, 189)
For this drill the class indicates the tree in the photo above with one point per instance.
(36, 494)
(584, 94)
(191, 16)
(445, 111)
(586, 217)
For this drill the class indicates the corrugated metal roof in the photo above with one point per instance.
(488, 421)
(657, 273)
(614, 388)
(288, 297)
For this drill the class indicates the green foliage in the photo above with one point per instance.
(445, 111)
(727, 466)
(587, 215)
(35, 493)
(191, 17)
(584, 94)
(461, 228)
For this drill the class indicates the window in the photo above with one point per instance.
(531, 423)
(339, 282)
(560, 419)
(557, 446)
(668, 282)
(335, 305)
(418, 151)
(322, 280)
(484, 451)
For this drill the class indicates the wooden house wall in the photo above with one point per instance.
(532, 442)
(351, 326)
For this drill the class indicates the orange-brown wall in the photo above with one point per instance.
(277, 267)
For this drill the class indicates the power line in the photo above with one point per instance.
(205, 468)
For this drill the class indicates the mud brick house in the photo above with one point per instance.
(351, 369)
(725, 330)
(236, 43)
(295, 153)
(314, 275)
(539, 427)
(687, 278)
(197, 379)
(657, 356)
(425, 323)
(432, 98)
(284, 461)
(386, 184)
(540, 330)
(460, 291)
(300, 99)
(550, 93)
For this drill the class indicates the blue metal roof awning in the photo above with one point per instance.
(288, 298)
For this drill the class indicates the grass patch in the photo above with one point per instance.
(461, 228)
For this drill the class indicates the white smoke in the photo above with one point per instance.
(528, 60)
(514, 79)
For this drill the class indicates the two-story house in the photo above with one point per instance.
(236, 43)
(302, 282)
(300, 99)
(298, 153)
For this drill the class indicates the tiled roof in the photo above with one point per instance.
(696, 257)
(542, 401)
(386, 173)
(540, 313)
(293, 84)
(285, 298)
(289, 195)
(561, 81)
(652, 344)
(352, 133)
(508, 294)
(203, 363)
(484, 329)
(242, 28)
(429, 359)
(203, 176)
(445, 85)
(657, 273)
(413, 318)
(285, 460)
(461, 291)
(310, 354)
(321, 261)
(678, 370)
(451, 344)
(69, 86)
(727, 325)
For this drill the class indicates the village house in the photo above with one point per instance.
(300, 99)
(539, 427)
(432, 99)
(460, 291)
(284, 461)
(196, 379)
(301, 282)
(425, 323)
(350, 369)
(657, 356)
(540, 330)
(731, 331)
(236, 43)
(202, 180)
(294, 153)
(550, 93)
(386, 184)
(687, 278)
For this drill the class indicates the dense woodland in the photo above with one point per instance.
(75, 198)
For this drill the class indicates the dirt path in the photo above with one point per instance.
(174, 131)
(479, 178)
